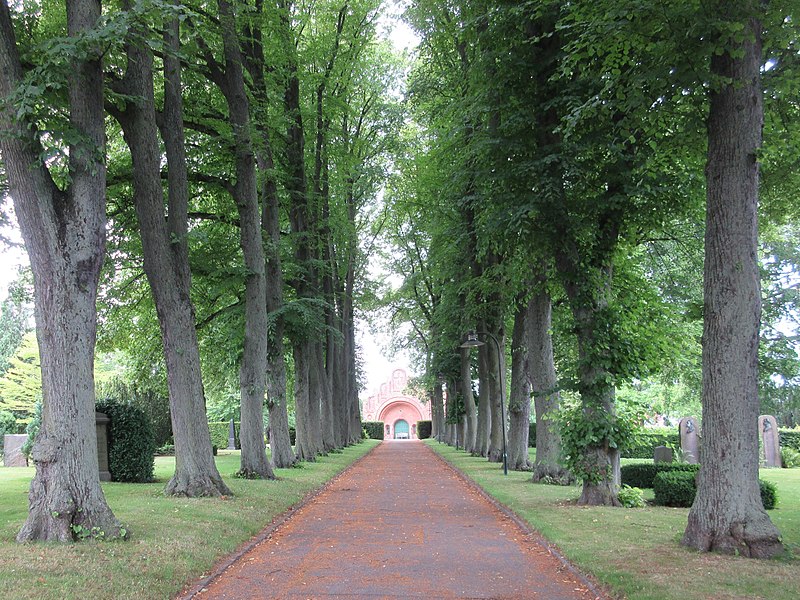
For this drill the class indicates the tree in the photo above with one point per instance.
(64, 233)
(727, 514)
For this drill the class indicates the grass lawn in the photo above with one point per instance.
(172, 540)
(635, 552)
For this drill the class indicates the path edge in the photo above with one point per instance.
(196, 586)
(593, 586)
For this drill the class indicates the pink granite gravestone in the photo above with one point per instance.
(12, 450)
(768, 432)
(690, 439)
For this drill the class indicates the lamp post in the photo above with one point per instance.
(472, 341)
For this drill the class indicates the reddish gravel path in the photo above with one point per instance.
(399, 524)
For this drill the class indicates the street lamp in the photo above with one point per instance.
(472, 341)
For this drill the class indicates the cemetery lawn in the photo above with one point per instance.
(635, 552)
(173, 540)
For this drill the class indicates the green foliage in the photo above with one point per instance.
(21, 385)
(674, 488)
(220, 430)
(152, 403)
(582, 430)
(769, 494)
(631, 497)
(374, 429)
(32, 429)
(424, 429)
(14, 318)
(790, 438)
(643, 474)
(790, 458)
(648, 439)
(131, 446)
(532, 435)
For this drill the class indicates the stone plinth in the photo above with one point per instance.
(12, 450)
(101, 422)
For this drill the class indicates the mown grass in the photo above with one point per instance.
(636, 552)
(173, 541)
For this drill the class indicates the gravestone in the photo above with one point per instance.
(101, 422)
(690, 440)
(231, 436)
(662, 454)
(12, 450)
(768, 431)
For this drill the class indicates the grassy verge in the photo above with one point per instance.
(173, 540)
(635, 552)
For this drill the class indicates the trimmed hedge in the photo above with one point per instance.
(674, 488)
(219, 434)
(532, 435)
(374, 429)
(789, 438)
(131, 444)
(424, 429)
(649, 439)
(678, 488)
(643, 475)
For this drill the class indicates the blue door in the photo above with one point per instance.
(401, 430)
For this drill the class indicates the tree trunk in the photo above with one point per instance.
(484, 404)
(253, 368)
(544, 383)
(64, 234)
(471, 417)
(727, 514)
(519, 401)
(438, 404)
(304, 446)
(496, 371)
(167, 270)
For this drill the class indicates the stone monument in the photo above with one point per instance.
(690, 440)
(12, 450)
(662, 454)
(768, 431)
(101, 422)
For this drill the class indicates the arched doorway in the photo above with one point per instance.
(401, 429)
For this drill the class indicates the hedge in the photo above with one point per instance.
(131, 444)
(649, 439)
(643, 475)
(219, 433)
(532, 435)
(424, 429)
(678, 488)
(789, 438)
(374, 429)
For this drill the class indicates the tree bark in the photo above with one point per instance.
(544, 383)
(64, 234)
(484, 404)
(727, 515)
(471, 417)
(519, 401)
(253, 368)
(496, 370)
(167, 270)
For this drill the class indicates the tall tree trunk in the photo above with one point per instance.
(64, 234)
(471, 417)
(727, 514)
(496, 371)
(484, 404)
(167, 270)
(253, 368)
(519, 401)
(438, 404)
(304, 446)
(544, 382)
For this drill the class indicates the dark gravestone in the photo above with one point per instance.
(662, 454)
(101, 422)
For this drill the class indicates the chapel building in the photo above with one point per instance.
(398, 410)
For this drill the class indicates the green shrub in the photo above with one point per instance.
(154, 404)
(374, 429)
(219, 431)
(631, 497)
(532, 435)
(646, 441)
(642, 475)
(166, 450)
(790, 458)
(674, 488)
(8, 424)
(32, 429)
(769, 494)
(131, 446)
(678, 488)
(424, 429)
(790, 438)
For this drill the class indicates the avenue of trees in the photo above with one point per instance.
(191, 181)
(581, 182)
(606, 189)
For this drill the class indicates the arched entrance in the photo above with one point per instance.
(401, 429)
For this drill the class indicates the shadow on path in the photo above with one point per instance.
(399, 524)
